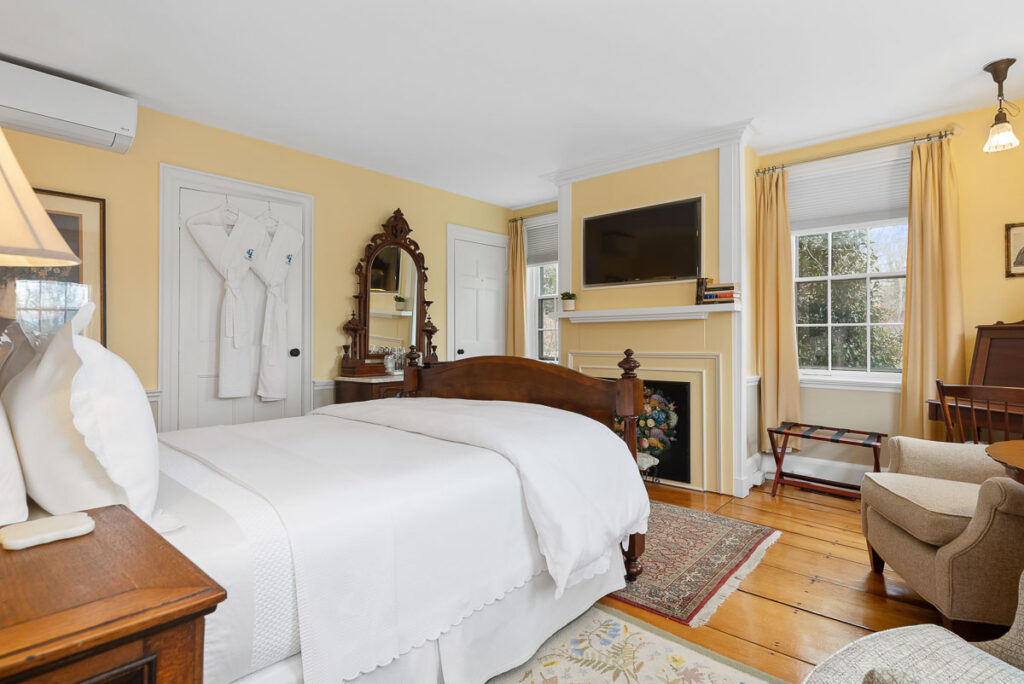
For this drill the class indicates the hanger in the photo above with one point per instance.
(269, 220)
(229, 213)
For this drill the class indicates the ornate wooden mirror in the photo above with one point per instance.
(391, 311)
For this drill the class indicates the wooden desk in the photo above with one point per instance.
(981, 415)
(118, 605)
(1011, 456)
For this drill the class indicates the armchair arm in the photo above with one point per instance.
(941, 460)
(977, 574)
(1010, 647)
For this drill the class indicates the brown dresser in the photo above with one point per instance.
(117, 606)
(364, 388)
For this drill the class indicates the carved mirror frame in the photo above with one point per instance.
(356, 353)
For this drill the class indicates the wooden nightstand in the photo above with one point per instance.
(117, 606)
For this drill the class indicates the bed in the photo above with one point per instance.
(439, 536)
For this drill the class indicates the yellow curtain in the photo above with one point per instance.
(515, 328)
(776, 322)
(933, 324)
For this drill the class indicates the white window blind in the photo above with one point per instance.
(854, 188)
(541, 239)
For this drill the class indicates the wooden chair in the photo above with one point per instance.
(971, 410)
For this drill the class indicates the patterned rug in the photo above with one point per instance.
(605, 646)
(693, 561)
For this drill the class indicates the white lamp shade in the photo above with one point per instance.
(1001, 137)
(27, 235)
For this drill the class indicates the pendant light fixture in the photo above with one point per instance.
(1000, 136)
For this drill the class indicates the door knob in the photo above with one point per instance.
(460, 351)
(294, 352)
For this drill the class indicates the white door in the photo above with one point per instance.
(200, 290)
(478, 279)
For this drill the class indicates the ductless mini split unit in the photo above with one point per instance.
(39, 103)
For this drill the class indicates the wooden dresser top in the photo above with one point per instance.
(75, 595)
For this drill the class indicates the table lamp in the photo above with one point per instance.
(27, 235)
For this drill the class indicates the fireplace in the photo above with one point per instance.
(663, 440)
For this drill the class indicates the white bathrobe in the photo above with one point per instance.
(271, 265)
(231, 251)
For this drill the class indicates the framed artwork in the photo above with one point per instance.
(43, 299)
(1014, 250)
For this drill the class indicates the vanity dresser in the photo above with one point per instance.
(390, 313)
(366, 387)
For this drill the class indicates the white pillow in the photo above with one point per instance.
(13, 504)
(83, 427)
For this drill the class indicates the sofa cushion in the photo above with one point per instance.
(934, 511)
(927, 652)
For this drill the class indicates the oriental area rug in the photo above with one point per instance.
(693, 561)
(605, 646)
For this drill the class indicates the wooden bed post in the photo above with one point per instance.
(629, 403)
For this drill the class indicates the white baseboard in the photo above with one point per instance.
(323, 393)
(154, 403)
(838, 471)
(753, 475)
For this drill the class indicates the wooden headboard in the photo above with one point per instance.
(510, 378)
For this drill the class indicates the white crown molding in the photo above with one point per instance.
(527, 205)
(654, 313)
(854, 132)
(738, 132)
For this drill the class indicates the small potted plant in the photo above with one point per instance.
(568, 301)
(401, 304)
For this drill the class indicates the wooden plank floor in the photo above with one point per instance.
(813, 593)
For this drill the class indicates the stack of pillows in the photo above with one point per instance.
(77, 431)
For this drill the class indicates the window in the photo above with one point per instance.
(542, 289)
(44, 306)
(850, 289)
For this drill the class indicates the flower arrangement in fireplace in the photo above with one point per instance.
(656, 426)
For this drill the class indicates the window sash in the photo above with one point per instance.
(535, 315)
(867, 277)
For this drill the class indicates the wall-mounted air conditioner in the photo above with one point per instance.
(58, 108)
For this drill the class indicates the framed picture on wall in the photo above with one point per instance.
(1014, 250)
(42, 299)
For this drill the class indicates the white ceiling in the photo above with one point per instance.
(482, 97)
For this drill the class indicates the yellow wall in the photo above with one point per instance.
(705, 346)
(350, 205)
(675, 179)
(991, 196)
(535, 210)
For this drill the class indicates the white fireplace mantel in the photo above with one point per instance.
(654, 313)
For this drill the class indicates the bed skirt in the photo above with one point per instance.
(492, 641)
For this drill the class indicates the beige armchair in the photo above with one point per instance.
(947, 520)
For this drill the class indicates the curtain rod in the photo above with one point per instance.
(939, 135)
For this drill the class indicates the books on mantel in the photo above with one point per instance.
(716, 293)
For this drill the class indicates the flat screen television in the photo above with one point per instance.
(644, 245)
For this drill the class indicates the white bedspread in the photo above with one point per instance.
(378, 570)
(582, 487)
